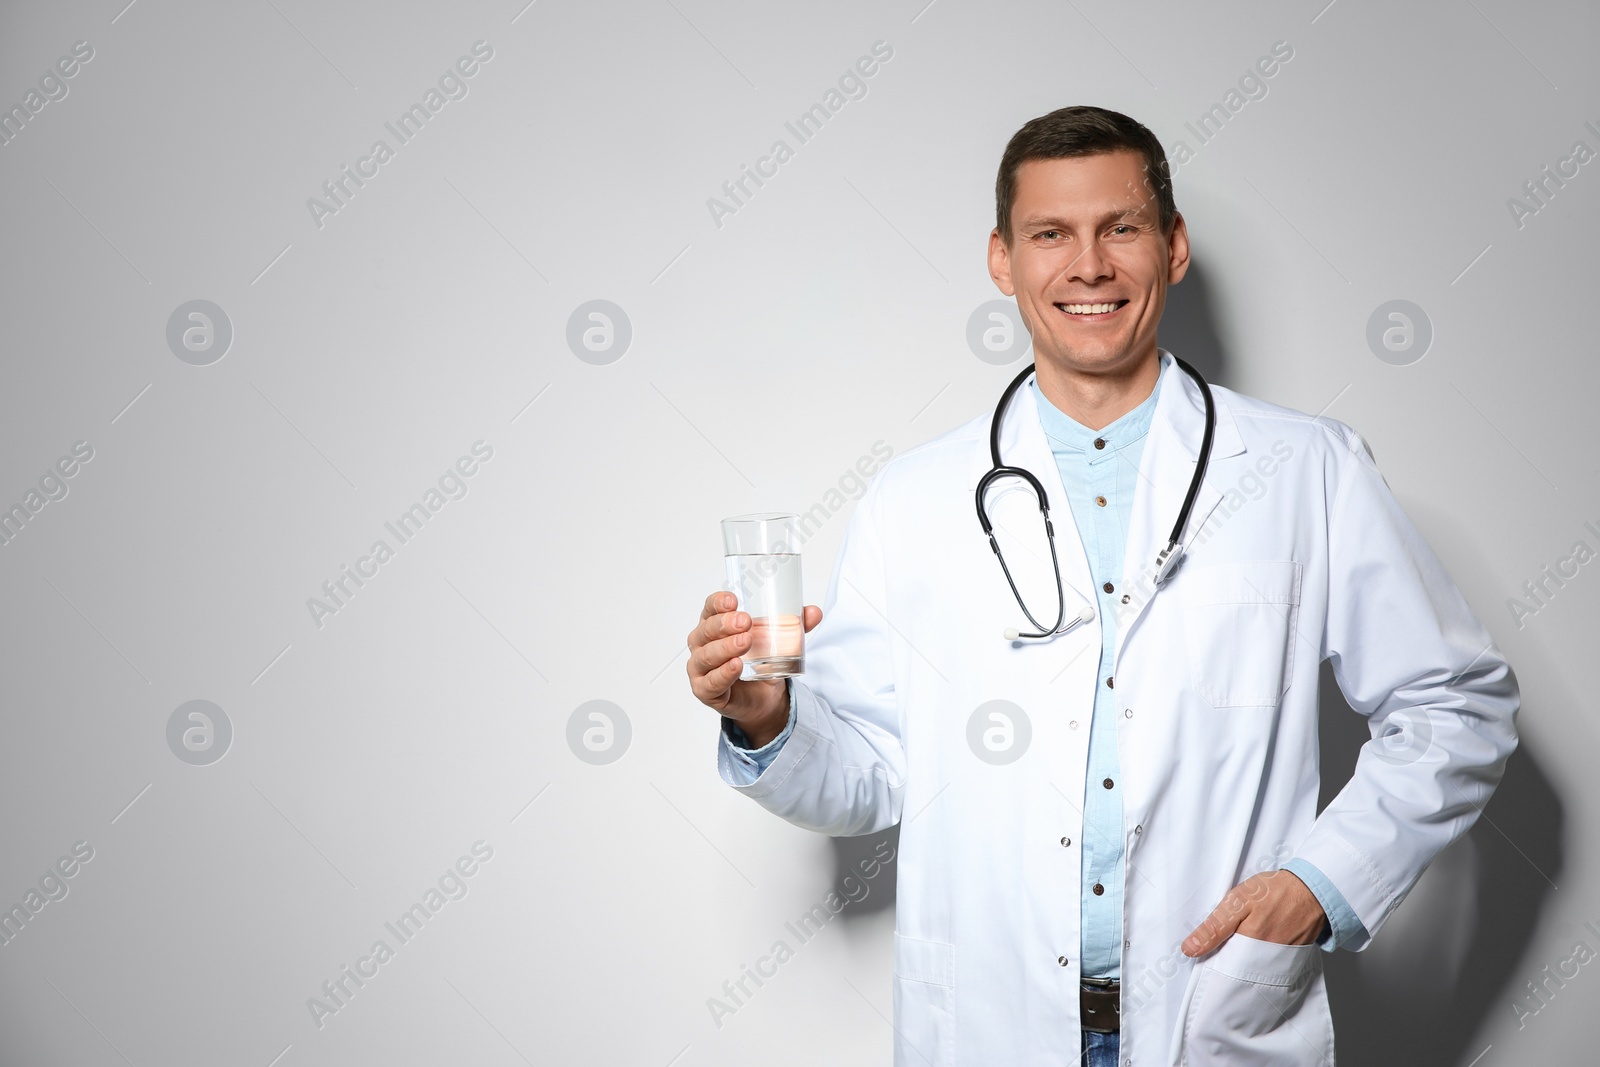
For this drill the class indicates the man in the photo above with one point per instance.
(1092, 823)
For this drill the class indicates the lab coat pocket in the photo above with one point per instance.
(1240, 624)
(1257, 1003)
(924, 1003)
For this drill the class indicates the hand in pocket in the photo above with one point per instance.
(1274, 906)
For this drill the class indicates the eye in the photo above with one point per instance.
(1121, 228)
(1048, 233)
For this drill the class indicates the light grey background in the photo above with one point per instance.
(768, 355)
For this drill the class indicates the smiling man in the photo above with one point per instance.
(1089, 809)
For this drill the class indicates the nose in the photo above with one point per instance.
(1089, 265)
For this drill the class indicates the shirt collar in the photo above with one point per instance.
(1067, 434)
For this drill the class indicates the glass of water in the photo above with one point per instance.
(761, 555)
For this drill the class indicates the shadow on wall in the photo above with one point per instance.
(1189, 330)
(854, 855)
(1447, 958)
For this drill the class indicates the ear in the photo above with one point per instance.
(1178, 251)
(1000, 263)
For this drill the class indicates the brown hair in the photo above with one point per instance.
(1082, 131)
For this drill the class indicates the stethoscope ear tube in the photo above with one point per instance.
(994, 424)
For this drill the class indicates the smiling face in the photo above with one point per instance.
(1088, 262)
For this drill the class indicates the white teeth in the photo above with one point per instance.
(1088, 309)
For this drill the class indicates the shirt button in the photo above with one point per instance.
(1108, 587)
(1099, 442)
(1065, 841)
(1108, 783)
(1100, 500)
(1109, 685)
(1099, 890)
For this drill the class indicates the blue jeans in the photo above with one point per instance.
(1100, 1050)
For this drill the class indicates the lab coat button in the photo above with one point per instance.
(1065, 841)
(1062, 960)
(1073, 724)
(1127, 713)
(1126, 598)
(1139, 829)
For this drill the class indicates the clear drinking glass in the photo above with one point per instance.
(761, 556)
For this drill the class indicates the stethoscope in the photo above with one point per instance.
(1165, 561)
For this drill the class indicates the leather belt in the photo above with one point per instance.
(1100, 1005)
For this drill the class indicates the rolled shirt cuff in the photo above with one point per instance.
(1343, 925)
(749, 763)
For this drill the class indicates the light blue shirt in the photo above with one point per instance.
(1100, 485)
(1100, 470)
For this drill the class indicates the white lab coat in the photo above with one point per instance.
(1216, 676)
